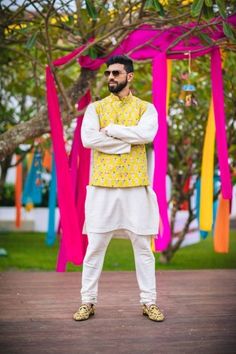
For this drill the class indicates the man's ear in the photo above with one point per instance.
(130, 77)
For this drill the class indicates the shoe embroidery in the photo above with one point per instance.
(153, 312)
(84, 312)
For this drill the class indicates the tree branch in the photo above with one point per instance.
(40, 124)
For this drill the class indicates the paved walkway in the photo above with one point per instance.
(36, 314)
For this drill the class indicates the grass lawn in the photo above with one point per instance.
(28, 251)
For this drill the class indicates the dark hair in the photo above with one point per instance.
(121, 59)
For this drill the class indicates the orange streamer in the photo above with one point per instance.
(221, 232)
(47, 160)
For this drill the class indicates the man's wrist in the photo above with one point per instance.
(107, 130)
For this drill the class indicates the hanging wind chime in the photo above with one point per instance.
(187, 91)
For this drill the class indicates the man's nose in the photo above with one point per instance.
(110, 74)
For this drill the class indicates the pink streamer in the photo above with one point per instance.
(82, 171)
(160, 144)
(77, 148)
(79, 184)
(69, 222)
(61, 258)
(68, 57)
(219, 113)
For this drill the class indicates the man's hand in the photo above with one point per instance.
(103, 130)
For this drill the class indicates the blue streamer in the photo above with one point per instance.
(51, 233)
(33, 186)
(216, 202)
(216, 182)
(203, 233)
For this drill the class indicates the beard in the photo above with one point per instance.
(117, 87)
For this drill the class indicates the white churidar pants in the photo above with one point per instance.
(94, 258)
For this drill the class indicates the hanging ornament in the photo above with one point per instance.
(187, 91)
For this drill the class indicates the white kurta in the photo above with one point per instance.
(132, 208)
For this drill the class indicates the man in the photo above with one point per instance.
(119, 198)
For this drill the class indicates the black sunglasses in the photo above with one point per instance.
(115, 73)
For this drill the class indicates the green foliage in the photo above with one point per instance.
(209, 3)
(197, 7)
(28, 251)
(7, 115)
(154, 5)
(91, 9)
(187, 124)
(229, 32)
(31, 41)
(8, 195)
(208, 8)
(221, 7)
(21, 92)
(207, 12)
(205, 38)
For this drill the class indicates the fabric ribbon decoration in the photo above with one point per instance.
(32, 192)
(18, 191)
(47, 160)
(29, 159)
(221, 138)
(160, 146)
(214, 206)
(221, 232)
(66, 199)
(156, 245)
(203, 233)
(51, 234)
(216, 201)
(207, 171)
(79, 162)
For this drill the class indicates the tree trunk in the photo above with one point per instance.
(165, 257)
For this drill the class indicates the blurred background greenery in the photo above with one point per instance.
(28, 251)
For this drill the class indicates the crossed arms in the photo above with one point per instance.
(115, 138)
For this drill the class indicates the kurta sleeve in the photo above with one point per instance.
(142, 133)
(94, 139)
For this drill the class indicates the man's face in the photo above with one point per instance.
(118, 78)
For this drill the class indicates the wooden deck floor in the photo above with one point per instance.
(36, 314)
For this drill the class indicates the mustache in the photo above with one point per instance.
(112, 82)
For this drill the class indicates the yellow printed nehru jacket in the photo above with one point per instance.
(120, 170)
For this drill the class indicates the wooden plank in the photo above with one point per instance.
(36, 314)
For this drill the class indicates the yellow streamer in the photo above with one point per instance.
(207, 171)
(169, 72)
(29, 159)
(153, 245)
